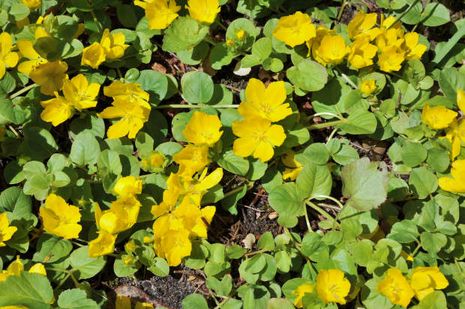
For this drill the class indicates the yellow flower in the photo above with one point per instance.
(130, 103)
(300, 292)
(102, 245)
(174, 245)
(128, 186)
(265, 102)
(121, 216)
(295, 29)
(56, 110)
(160, 13)
(49, 76)
(8, 59)
(396, 288)
(437, 117)
(332, 286)
(455, 183)
(93, 55)
(38, 268)
(257, 137)
(391, 59)
(425, 280)
(80, 93)
(60, 218)
(361, 53)
(368, 86)
(14, 269)
(203, 129)
(174, 230)
(293, 167)
(27, 51)
(203, 11)
(113, 44)
(331, 50)
(32, 4)
(362, 26)
(461, 100)
(6, 230)
(456, 136)
(414, 50)
(192, 159)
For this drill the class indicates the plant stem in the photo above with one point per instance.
(307, 220)
(348, 80)
(238, 189)
(21, 91)
(332, 199)
(323, 213)
(404, 13)
(187, 106)
(323, 125)
(341, 10)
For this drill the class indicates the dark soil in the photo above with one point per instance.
(168, 291)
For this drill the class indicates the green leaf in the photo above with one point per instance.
(405, 231)
(159, 267)
(413, 154)
(360, 122)
(29, 289)
(434, 300)
(184, 34)
(86, 267)
(14, 200)
(234, 164)
(38, 143)
(432, 242)
(308, 75)
(19, 11)
(154, 82)
(197, 87)
(364, 185)
(50, 249)
(196, 301)
(436, 14)
(314, 181)
(76, 299)
(85, 149)
(287, 200)
(423, 181)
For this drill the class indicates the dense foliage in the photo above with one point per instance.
(130, 129)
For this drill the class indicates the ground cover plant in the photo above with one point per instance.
(232, 154)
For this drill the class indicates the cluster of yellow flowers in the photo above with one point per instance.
(161, 13)
(121, 216)
(6, 230)
(331, 287)
(179, 218)
(389, 41)
(16, 268)
(441, 118)
(110, 47)
(262, 106)
(423, 281)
